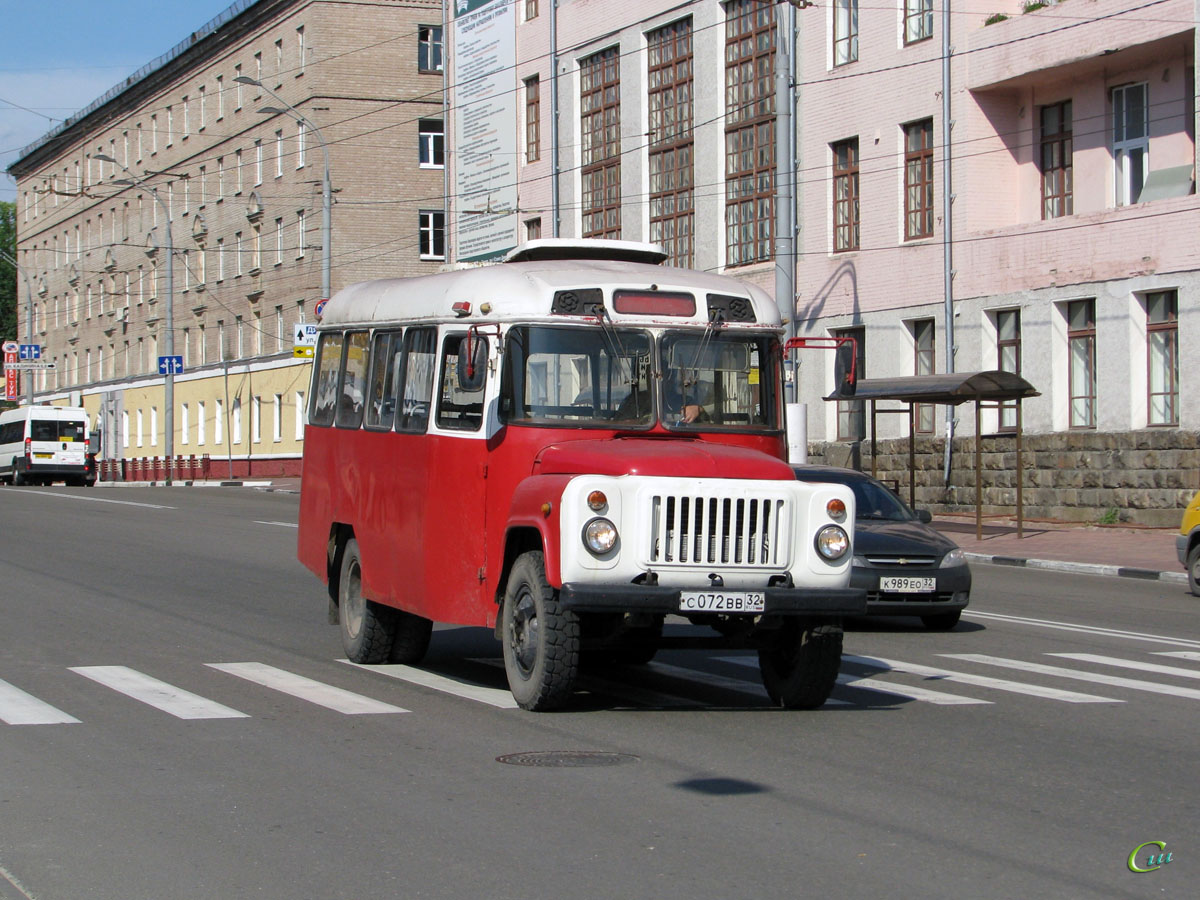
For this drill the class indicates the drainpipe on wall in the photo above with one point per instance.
(554, 216)
(947, 227)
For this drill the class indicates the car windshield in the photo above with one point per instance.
(871, 499)
(609, 377)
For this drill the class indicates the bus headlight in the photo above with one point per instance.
(832, 542)
(600, 536)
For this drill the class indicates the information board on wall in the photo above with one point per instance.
(484, 56)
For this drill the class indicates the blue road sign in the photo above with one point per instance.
(30, 351)
(170, 365)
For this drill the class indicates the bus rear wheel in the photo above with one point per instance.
(368, 629)
(540, 638)
(800, 665)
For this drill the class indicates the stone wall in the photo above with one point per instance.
(1138, 477)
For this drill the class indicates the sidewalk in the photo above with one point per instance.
(1147, 553)
(1088, 549)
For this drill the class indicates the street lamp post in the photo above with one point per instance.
(169, 379)
(28, 318)
(326, 188)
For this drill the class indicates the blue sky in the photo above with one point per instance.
(58, 56)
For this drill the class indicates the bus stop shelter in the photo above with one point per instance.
(990, 389)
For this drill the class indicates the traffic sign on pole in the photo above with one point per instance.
(29, 351)
(170, 365)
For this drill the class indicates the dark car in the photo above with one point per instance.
(906, 567)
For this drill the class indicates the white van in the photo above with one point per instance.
(41, 444)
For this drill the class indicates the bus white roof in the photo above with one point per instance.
(524, 290)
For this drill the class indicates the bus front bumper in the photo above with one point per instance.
(666, 600)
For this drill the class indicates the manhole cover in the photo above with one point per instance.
(563, 759)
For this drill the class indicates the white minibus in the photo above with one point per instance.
(42, 444)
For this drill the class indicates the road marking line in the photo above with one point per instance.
(719, 681)
(298, 686)
(999, 684)
(468, 690)
(280, 524)
(1179, 654)
(1039, 669)
(88, 499)
(15, 882)
(1085, 629)
(20, 708)
(1130, 664)
(168, 698)
(870, 683)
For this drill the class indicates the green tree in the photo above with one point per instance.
(8, 275)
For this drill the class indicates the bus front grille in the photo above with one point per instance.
(743, 531)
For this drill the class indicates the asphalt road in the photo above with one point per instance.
(151, 641)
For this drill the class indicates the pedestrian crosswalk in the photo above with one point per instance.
(959, 679)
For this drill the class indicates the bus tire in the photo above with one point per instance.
(18, 477)
(540, 639)
(411, 639)
(800, 666)
(367, 628)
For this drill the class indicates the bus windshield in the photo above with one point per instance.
(609, 377)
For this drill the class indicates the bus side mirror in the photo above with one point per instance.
(94, 443)
(844, 375)
(472, 361)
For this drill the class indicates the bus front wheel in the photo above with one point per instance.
(368, 629)
(540, 638)
(800, 666)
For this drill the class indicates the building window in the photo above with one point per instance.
(433, 234)
(299, 145)
(531, 9)
(432, 141)
(300, 54)
(749, 131)
(200, 423)
(600, 113)
(1008, 359)
(277, 419)
(533, 125)
(429, 48)
(918, 179)
(672, 201)
(533, 229)
(851, 414)
(923, 364)
(278, 155)
(1081, 349)
(1131, 140)
(918, 20)
(845, 195)
(1056, 160)
(845, 31)
(1162, 357)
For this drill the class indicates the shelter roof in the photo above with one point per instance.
(950, 388)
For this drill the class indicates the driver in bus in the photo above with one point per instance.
(681, 398)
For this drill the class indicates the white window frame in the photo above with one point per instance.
(1131, 155)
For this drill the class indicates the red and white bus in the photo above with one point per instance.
(567, 447)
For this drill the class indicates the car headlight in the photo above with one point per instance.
(832, 542)
(953, 558)
(600, 535)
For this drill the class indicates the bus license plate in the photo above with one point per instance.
(903, 584)
(722, 601)
(43, 456)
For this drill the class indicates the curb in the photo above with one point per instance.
(183, 483)
(1079, 568)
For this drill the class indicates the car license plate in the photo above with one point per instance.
(722, 601)
(43, 456)
(903, 584)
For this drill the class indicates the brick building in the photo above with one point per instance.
(235, 170)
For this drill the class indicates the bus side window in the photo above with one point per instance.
(381, 410)
(458, 409)
(420, 354)
(353, 390)
(324, 391)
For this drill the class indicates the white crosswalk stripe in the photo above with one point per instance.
(168, 698)
(469, 690)
(998, 684)
(298, 686)
(1155, 668)
(939, 698)
(20, 708)
(1180, 654)
(1094, 677)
